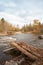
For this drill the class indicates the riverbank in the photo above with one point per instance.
(5, 34)
(19, 32)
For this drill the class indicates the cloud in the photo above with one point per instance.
(21, 11)
(10, 4)
(12, 19)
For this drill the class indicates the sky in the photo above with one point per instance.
(21, 11)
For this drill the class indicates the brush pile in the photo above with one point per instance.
(27, 54)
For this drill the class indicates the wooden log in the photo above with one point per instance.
(32, 57)
(33, 49)
(32, 52)
(29, 46)
(6, 50)
(29, 50)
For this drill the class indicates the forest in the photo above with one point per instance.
(36, 27)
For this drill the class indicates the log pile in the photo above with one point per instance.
(29, 52)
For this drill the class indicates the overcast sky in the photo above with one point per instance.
(21, 11)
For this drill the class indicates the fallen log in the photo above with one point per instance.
(27, 47)
(31, 56)
(6, 50)
(36, 50)
(32, 48)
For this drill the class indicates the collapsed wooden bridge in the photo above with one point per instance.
(27, 52)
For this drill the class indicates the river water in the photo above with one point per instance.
(31, 39)
(28, 38)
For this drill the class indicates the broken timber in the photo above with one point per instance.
(27, 50)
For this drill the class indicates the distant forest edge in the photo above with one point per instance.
(7, 28)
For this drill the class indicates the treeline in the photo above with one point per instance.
(36, 27)
(6, 27)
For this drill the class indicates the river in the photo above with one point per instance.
(31, 39)
(28, 38)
